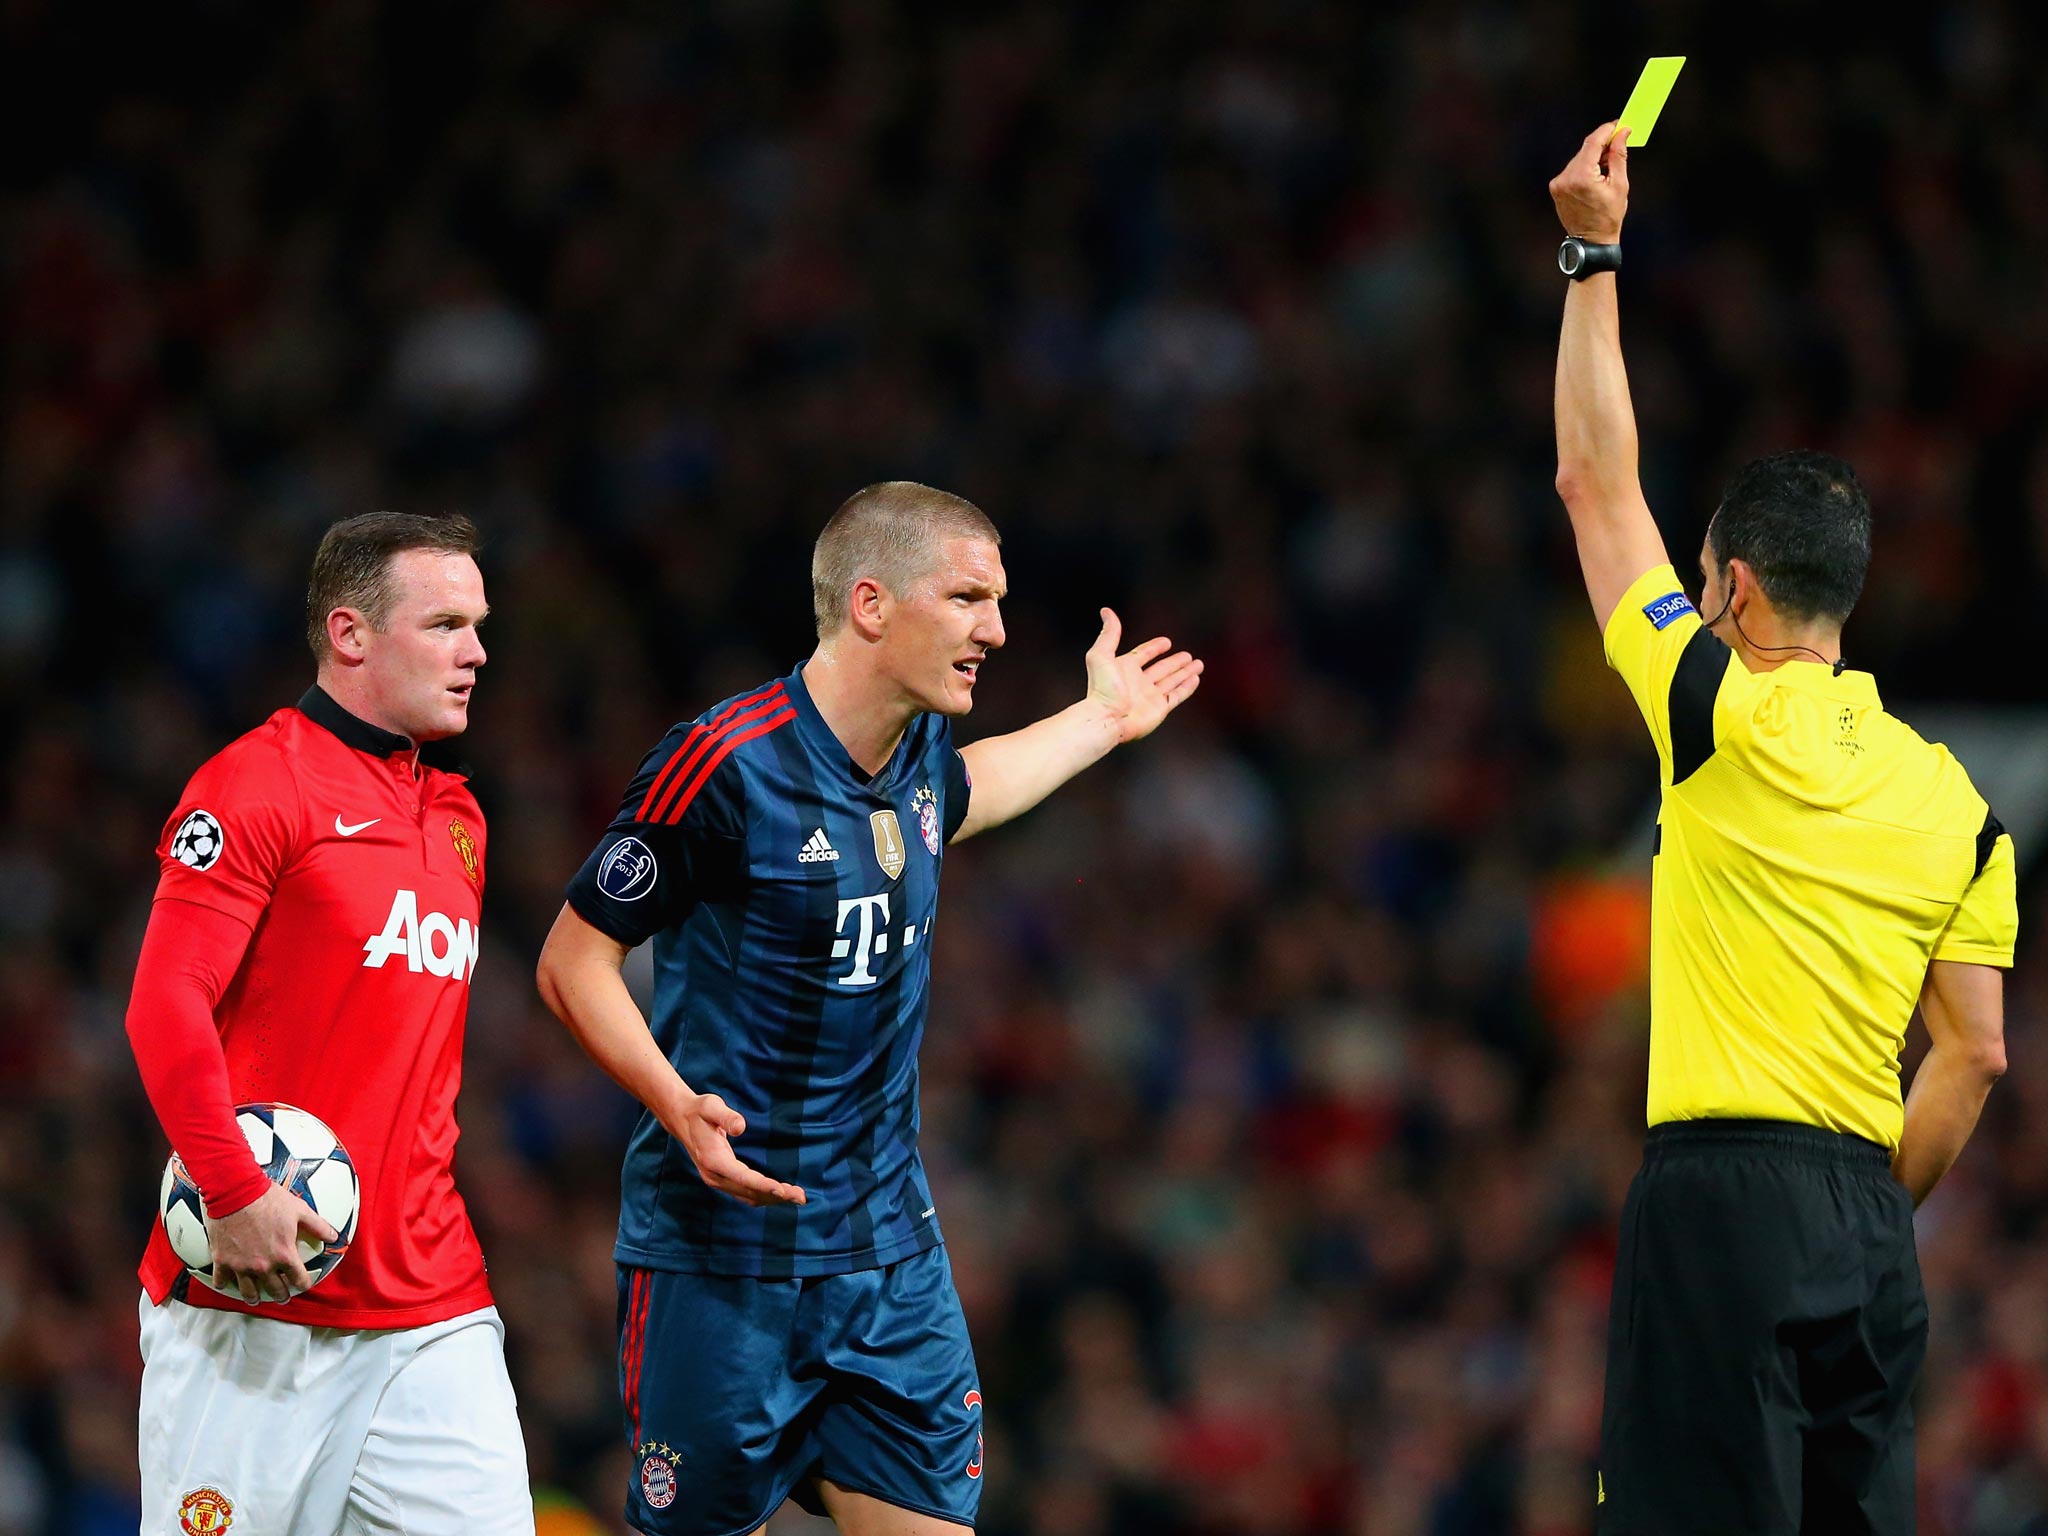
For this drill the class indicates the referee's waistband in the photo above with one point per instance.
(1780, 1138)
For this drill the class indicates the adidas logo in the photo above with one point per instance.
(817, 850)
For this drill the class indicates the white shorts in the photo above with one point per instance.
(293, 1431)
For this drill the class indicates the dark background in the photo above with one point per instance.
(1284, 1073)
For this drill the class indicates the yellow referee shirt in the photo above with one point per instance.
(1813, 854)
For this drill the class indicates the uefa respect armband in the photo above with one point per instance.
(1668, 609)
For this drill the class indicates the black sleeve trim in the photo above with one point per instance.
(959, 789)
(604, 922)
(1701, 666)
(1987, 839)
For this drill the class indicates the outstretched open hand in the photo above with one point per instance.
(1141, 687)
(706, 1132)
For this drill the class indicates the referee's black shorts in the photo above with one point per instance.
(1766, 1330)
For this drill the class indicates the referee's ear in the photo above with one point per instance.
(1743, 587)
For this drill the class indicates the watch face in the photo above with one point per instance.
(1570, 256)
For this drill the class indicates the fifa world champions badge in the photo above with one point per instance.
(927, 806)
(658, 1475)
(465, 849)
(205, 1512)
(888, 842)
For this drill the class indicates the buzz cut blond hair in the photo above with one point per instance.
(892, 531)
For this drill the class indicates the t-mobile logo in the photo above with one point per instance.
(872, 941)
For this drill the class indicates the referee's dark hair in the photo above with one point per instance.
(352, 567)
(1801, 521)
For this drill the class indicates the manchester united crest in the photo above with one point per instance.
(205, 1512)
(926, 805)
(465, 849)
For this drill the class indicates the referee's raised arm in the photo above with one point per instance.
(1596, 424)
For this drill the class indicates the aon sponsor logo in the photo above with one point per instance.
(433, 943)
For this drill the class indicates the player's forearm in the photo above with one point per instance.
(188, 954)
(587, 993)
(1948, 1095)
(1013, 773)
(1596, 420)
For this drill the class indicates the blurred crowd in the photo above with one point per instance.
(1284, 1073)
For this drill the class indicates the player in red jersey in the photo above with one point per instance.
(315, 929)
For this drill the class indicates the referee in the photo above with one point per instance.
(1819, 870)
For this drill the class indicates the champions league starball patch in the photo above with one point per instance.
(927, 806)
(658, 1475)
(197, 842)
(205, 1512)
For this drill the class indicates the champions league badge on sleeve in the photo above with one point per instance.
(927, 807)
(658, 1475)
(628, 871)
(197, 842)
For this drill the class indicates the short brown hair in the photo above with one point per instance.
(352, 568)
(891, 531)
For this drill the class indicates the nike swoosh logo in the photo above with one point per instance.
(352, 831)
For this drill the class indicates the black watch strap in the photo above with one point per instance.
(1579, 259)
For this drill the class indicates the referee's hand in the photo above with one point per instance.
(707, 1126)
(1591, 194)
(256, 1250)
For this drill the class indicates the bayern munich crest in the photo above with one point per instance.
(927, 806)
(205, 1512)
(658, 1476)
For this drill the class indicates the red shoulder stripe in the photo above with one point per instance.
(773, 722)
(683, 758)
(697, 733)
(705, 743)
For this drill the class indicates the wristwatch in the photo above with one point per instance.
(1578, 259)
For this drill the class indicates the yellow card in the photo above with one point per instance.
(1647, 100)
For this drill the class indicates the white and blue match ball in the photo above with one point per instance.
(298, 1152)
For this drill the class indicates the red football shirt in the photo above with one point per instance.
(360, 876)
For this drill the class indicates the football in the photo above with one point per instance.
(300, 1153)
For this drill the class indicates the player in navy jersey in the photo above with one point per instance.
(787, 1318)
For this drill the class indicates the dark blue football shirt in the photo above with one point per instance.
(790, 898)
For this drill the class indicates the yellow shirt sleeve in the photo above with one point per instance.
(1986, 924)
(1647, 634)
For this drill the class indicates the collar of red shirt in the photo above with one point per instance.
(318, 706)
